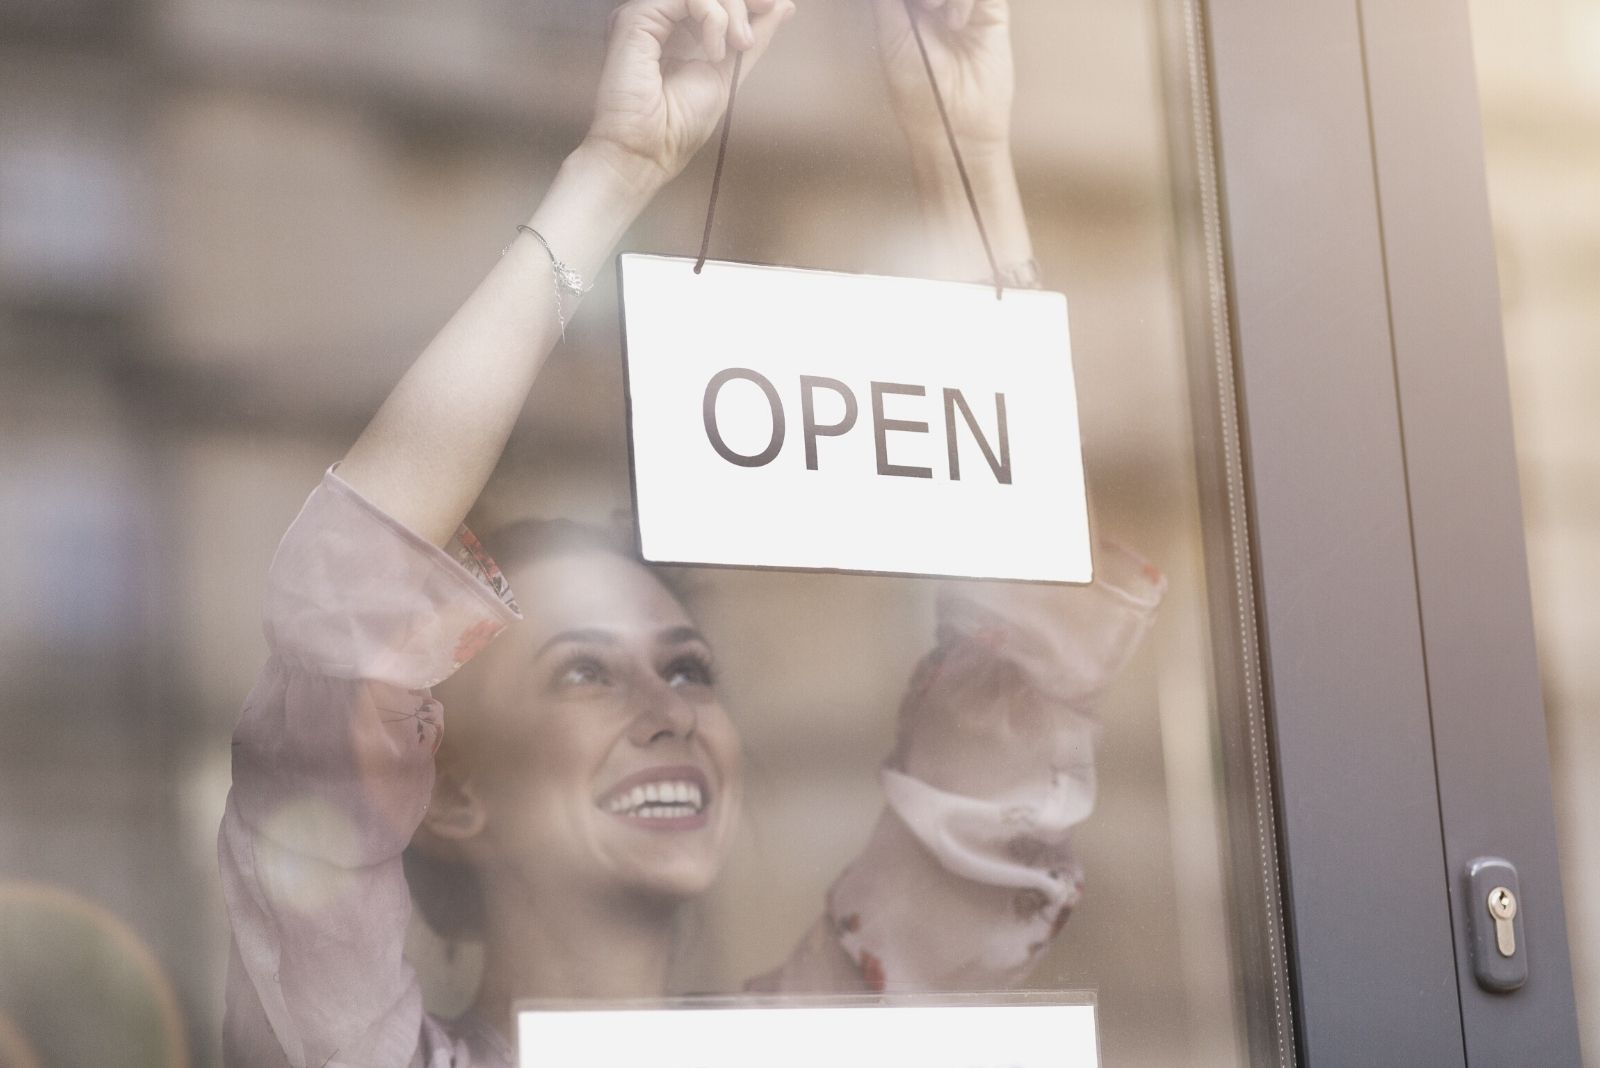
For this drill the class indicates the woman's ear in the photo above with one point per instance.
(455, 812)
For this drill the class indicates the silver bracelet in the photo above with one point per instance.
(567, 277)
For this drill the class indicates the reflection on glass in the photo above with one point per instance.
(1539, 81)
(591, 782)
(324, 179)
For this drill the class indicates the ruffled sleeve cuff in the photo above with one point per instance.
(1069, 641)
(954, 894)
(352, 593)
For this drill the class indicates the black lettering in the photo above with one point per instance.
(1001, 466)
(709, 413)
(808, 414)
(882, 426)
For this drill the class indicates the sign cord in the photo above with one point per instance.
(722, 154)
(955, 149)
(944, 118)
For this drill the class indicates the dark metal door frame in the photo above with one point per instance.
(1392, 590)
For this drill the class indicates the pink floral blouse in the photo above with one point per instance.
(966, 877)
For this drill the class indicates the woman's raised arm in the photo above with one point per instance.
(969, 48)
(432, 446)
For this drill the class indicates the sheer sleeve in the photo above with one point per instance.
(969, 871)
(332, 769)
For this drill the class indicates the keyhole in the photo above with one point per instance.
(1503, 907)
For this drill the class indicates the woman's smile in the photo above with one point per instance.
(666, 798)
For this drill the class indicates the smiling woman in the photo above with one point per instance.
(591, 780)
(603, 694)
(591, 784)
(545, 701)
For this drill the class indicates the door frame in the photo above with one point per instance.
(1391, 589)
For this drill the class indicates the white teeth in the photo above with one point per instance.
(659, 800)
(655, 812)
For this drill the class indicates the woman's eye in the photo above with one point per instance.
(585, 672)
(688, 671)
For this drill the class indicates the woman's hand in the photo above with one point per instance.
(969, 45)
(668, 70)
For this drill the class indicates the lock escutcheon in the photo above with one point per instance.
(1496, 924)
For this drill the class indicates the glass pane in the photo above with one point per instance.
(228, 236)
(1540, 87)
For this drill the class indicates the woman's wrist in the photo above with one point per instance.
(949, 214)
(623, 173)
(595, 197)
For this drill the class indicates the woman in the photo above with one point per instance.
(592, 779)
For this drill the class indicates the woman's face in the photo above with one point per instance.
(610, 764)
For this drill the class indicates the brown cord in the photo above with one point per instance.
(722, 154)
(949, 132)
(955, 150)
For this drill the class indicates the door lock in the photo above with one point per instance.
(1494, 919)
(1503, 907)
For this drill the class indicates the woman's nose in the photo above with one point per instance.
(663, 713)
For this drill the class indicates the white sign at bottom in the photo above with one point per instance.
(926, 1036)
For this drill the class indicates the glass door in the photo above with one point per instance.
(518, 764)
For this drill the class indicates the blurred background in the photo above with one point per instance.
(226, 226)
(1539, 80)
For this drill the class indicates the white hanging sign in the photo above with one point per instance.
(804, 419)
(927, 1036)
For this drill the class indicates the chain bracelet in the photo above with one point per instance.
(567, 277)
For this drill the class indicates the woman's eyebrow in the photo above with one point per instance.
(681, 636)
(578, 634)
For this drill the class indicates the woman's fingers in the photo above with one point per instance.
(957, 13)
(724, 24)
(740, 35)
(713, 19)
(953, 15)
(641, 28)
(762, 28)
